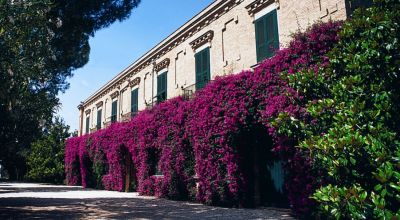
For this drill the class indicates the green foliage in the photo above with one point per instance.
(46, 160)
(99, 170)
(24, 39)
(41, 43)
(351, 125)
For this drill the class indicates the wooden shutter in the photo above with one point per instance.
(99, 112)
(134, 101)
(162, 87)
(202, 68)
(267, 36)
(114, 111)
(87, 125)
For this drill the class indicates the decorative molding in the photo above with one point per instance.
(88, 111)
(99, 104)
(236, 20)
(161, 65)
(114, 94)
(177, 38)
(134, 82)
(328, 11)
(126, 117)
(258, 5)
(80, 106)
(203, 39)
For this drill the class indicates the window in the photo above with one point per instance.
(98, 125)
(162, 87)
(352, 5)
(267, 37)
(134, 101)
(87, 124)
(202, 68)
(114, 108)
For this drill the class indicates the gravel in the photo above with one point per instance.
(42, 201)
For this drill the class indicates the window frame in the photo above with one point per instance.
(114, 114)
(134, 106)
(263, 22)
(99, 115)
(87, 124)
(201, 70)
(162, 80)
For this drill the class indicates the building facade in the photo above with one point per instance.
(226, 37)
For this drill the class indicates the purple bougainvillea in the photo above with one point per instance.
(183, 139)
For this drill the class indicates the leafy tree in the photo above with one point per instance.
(351, 126)
(41, 43)
(46, 159)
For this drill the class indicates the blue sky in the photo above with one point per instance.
(116, 47)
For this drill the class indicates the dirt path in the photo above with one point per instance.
(37, 201)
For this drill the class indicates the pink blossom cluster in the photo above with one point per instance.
(195, 140)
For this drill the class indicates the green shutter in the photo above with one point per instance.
(87, 125)
(134, 101)
(162, 87)
(99, 112)
(202, 68)
(267, 36)
(114, 108)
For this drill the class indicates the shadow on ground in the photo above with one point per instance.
(121, 208)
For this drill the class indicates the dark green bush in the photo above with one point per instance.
(46, 159)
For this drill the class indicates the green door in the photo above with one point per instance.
(202, 68)
(267, 36)
(277, 175)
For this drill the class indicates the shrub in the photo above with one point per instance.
(46, 159)
(351, 122)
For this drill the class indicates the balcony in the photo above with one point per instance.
(110, 120)
(161, 97)
(126, 117)
(188, 91)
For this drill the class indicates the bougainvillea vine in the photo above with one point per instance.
(193, 149)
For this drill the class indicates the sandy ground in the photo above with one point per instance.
(41, 201)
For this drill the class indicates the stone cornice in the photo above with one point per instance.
(134, 82)
(193, 26)
(114, 94)
(258, 5)
(203, 39)
(80, 106)
(162, 65)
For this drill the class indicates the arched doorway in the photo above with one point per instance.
(90, 175)
(262, 170)
(128, 171)
(76, 171)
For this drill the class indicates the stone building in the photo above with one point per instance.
(226, 37)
